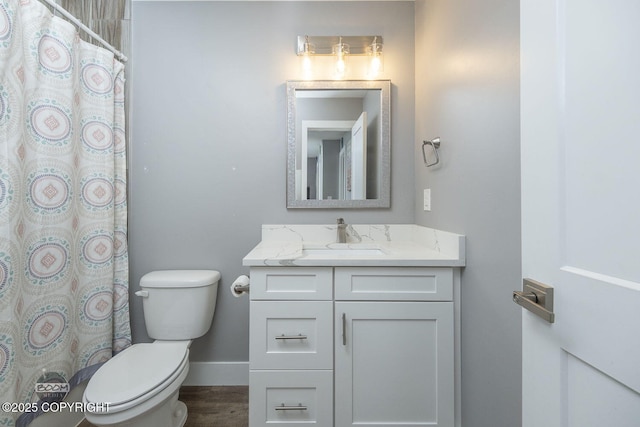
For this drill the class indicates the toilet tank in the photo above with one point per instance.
(178, 304)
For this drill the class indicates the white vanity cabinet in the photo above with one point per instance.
(343, 346)
(394, 343)
(291, 347)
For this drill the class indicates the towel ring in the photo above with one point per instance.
(435, 144)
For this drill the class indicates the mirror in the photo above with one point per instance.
(338, 144)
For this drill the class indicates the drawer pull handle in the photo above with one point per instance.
(292, 337)
(284, 407)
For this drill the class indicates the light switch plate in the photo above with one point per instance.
(427, 199)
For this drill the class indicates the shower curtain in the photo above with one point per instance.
(64, 306)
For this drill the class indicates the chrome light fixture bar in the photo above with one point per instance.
(324, 45)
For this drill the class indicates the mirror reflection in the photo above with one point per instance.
(338, 144)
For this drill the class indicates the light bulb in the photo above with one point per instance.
(341, 50)
(375, 63)
(307, 58)
(340, 65)
(306, 63)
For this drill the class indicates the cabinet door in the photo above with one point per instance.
(394, 364)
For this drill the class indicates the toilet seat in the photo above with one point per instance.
(137, 374)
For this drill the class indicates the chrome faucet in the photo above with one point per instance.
(342, 231)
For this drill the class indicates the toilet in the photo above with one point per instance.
(141, 383)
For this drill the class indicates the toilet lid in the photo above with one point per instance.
(136, 371)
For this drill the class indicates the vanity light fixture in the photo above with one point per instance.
(341, 50)
(308, 50)
(376, 65)
(341, 47)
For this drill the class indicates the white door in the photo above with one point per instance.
(342, 181)
(359, 158)
(580, 123)
(320, 174)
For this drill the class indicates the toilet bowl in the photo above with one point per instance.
(139, 386)
(142, 380)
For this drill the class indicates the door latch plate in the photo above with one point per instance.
(537, 298)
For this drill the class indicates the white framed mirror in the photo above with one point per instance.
(339, 144)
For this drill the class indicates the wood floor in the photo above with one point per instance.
(213, 406)
(216, 406)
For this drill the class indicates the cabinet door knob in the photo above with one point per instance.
(344, 329)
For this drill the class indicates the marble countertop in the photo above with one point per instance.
(400, 245)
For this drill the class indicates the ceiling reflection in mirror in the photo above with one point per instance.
(338, 144)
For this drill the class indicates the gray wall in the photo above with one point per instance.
(208, 154)
(208, 147)
(467, 92)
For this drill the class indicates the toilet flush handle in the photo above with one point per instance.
(143, 294)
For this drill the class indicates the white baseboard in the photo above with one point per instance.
(217, 373)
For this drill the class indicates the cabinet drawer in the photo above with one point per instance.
(394, 284)
(275, 327)
(291, 283)
(275, 396)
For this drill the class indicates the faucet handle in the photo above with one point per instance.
(342, 231)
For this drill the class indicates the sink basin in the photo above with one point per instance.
(342, 252)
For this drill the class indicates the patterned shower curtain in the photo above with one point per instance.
(63, 238)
